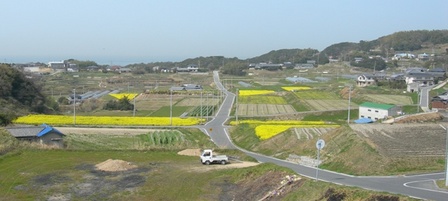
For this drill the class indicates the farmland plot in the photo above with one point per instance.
(324, 105)
(400, 140)
(390, 99)
(197, 101)
(155, 101)
(323, 101)
(264, 109)
(262, 100)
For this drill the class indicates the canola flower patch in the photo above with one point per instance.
(295, 88)
(254, 92)
(267, 129)
(106, 120)
(120, 96)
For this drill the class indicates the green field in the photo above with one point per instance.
(316, 95)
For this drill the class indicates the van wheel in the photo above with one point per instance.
(223, 162)
(207, 162)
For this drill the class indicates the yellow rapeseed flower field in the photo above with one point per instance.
(254, 92)
(58, 120)
(267, 129)
(122, 95)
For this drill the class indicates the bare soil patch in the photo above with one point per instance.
(270, 186)
(94, 184)
(190, 152)
(419, 118)
(115, 165)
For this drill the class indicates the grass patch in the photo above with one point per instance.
(165, 111)
(339, 117)
(298, 105)
(160, 139)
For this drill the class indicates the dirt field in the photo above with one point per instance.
(397, 140)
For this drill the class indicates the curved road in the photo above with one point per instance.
(418, 186)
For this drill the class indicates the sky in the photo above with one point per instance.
(136, 31)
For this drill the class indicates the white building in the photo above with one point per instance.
(377, 111)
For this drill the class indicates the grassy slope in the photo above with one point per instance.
(344, 152)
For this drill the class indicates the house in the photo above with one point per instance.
(416, 77)
(439, 104)
(57, 66)
(186, 87)
(124, 70)
(265, 66)
(377, 111)
(400, 56)
(302, 66)
(190, 68)
(43, 134)
(192, 87)
(440, 101)
(365, 80)
(423, 57)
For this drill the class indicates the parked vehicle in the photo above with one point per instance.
(207, 158)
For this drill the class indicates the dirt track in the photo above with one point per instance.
(204, 168)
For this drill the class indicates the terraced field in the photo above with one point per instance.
(310, 133)
(323, 105)
(400, 140)
(197, 101)
(389, 99)
(322, 100)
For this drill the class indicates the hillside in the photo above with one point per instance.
(404, 41)
(19, 95)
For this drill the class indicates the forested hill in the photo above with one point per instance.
(405, 41)
(19, 95)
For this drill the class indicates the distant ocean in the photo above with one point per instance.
(99, 61)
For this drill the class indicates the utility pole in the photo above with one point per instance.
(236, 106)
(171, 107)
(133, 112)
(349, 100)
(74, 107)
(201, 107)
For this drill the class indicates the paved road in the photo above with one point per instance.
(424, 98)
(419, 186)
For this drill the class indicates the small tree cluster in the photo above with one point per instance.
(122, 104)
